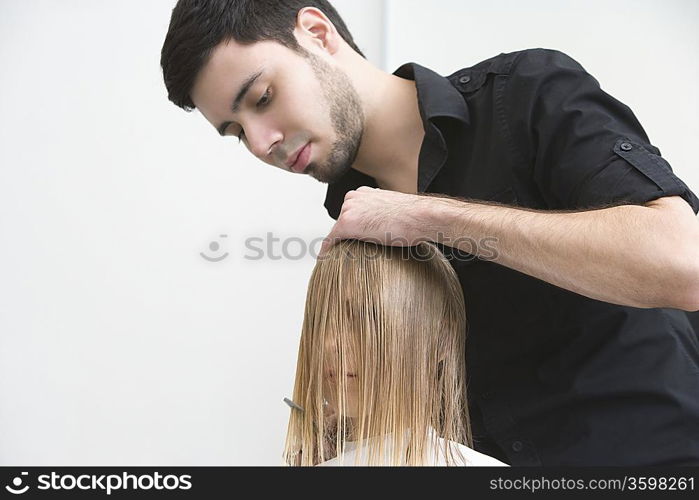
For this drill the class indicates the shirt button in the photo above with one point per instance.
(465, 79)
(625, 146)
(517, 446)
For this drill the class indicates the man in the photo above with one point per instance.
(576, 246)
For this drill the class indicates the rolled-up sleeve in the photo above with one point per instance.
(584, 148)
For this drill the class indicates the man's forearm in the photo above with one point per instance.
(629, 255)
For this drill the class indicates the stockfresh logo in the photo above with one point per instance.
(16, 487)
(101, 482)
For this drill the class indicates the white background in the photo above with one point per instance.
(119, 344)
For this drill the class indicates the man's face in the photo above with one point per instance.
(296, 100)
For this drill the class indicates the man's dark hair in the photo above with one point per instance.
(197, 26)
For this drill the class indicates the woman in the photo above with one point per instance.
(381, 377)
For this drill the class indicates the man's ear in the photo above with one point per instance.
(312, 26)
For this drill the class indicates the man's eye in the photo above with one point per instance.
(264, 100)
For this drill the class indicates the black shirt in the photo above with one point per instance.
(555, 378)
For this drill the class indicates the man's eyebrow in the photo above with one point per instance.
(244, 88)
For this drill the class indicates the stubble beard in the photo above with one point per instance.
(347, 118)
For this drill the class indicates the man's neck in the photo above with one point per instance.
(393, 132)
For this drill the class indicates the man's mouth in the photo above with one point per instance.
(299, 160)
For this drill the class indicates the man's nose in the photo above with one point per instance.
(262, 141)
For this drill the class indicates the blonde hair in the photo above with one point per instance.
(398, 315)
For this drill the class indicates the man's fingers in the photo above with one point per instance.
(328, 242)
(323, 248)
(333, 237)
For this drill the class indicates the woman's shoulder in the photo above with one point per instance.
(460, 455)
(471, 457)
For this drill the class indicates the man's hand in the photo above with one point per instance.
(380, 216)
(633, 255)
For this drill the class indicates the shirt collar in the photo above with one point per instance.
(437, 98)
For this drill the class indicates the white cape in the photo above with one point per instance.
(435, 454)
